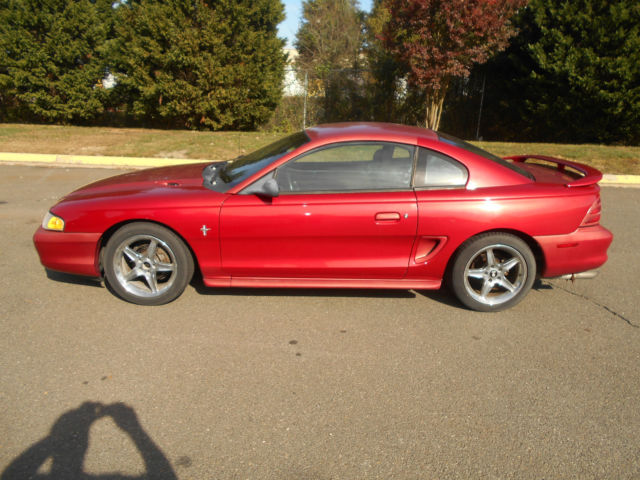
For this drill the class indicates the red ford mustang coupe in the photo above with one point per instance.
(363, 205)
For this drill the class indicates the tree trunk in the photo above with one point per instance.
(434, 102)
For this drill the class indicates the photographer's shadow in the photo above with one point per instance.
(67, 444)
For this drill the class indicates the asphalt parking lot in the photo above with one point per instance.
(312, 384)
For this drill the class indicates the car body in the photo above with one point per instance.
(352, 205)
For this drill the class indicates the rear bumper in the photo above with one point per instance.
(585, 249)
(68, 252)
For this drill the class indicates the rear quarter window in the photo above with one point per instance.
(436, 170)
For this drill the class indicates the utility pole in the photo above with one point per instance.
(484, 79)
(304, 109)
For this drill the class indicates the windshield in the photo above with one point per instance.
(450, 139)
(238, 170)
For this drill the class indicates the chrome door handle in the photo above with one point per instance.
(387, 217)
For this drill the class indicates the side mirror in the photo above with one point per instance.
(265, 187)
(270, 188)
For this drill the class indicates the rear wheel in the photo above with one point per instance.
(493, 271)
(147, 264)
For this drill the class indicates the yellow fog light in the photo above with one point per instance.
(51, 222)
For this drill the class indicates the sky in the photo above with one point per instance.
(293, 11)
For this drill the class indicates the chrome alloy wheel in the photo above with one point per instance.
(495, 274)
(145, 266)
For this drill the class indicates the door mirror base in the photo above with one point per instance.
(270, 188)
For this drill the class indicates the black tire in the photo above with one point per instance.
(492, 272)
(147, 264)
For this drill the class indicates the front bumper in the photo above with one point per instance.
(68, 251)
(585, 249)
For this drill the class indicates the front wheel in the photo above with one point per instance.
(493, 271)
(147, 264)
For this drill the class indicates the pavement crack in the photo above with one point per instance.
(596, 303)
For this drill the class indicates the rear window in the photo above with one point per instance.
(451, 140)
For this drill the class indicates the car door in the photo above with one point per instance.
(344, 211)
(445, 212)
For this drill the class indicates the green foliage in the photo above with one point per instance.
(330, 43)
(177, 63)
(51, 63)
(330, 35)
(390, 97)
(183, 63)
(287, 116)
(385, 88)
(588, 59)
(572, 74)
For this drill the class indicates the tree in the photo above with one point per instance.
(390, 97)
(437, 40)
(329, 43)
(384, 85)
(197, 64)
(572, 74)
(587, 69)
(51, 61)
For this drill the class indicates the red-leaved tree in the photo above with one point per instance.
(439, 39)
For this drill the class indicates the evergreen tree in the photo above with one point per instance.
(571, 75)
(194, 64)
(329, 43)
(588, 75)
(51, 62)
(385, 87)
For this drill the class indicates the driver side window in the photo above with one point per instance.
(349, 167)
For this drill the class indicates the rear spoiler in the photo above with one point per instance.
(591, 176)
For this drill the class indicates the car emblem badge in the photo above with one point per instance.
(204, 230)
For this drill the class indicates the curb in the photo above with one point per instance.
(91, 161)
(610, 180)
(142, 162)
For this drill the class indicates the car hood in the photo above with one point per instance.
(175, 177)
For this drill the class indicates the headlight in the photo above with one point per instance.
(51, 222)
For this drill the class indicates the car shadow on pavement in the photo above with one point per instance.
(444, 296)
(540, 285)
(68, 441)
(73, 279)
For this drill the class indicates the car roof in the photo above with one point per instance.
(370, 131)
(483, 171)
